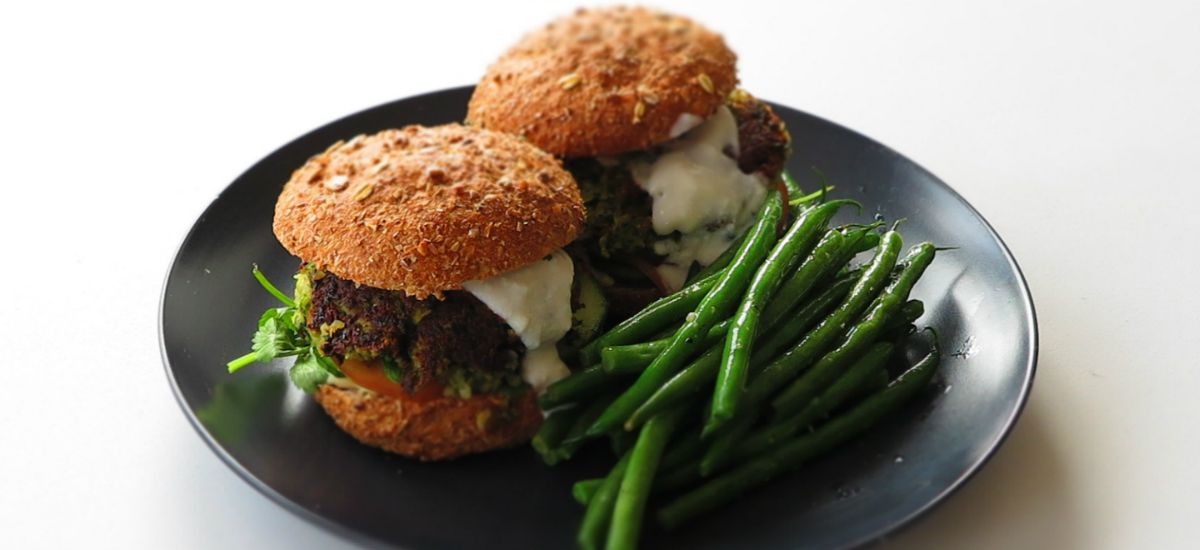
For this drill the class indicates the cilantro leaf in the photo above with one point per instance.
(281, 333)
(328, 365)
(308, 373)
(262, 280)
(275, 339)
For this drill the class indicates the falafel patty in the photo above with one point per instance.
(456, 342)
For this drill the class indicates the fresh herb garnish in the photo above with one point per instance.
(391, 368)
(281, 333)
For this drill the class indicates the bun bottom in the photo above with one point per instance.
(433, 429)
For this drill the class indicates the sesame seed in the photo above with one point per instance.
(377, 168)
(363, 191)
(570, 81)
(337, 183)
(639, 110)
(705, 82)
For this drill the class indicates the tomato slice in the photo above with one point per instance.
(369, 374)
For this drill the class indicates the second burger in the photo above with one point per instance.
(671, 158)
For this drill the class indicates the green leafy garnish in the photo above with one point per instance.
(262, 280)
(281, 334)
(308, 372)
(391, 368)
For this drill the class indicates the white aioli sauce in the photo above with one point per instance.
(685, 122)
(699, 191)
(535, 300)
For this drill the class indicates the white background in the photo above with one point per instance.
(1073, 127)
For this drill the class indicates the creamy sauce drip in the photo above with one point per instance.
(699, 192)
(535, 300)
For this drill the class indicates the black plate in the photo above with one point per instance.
(280, 442)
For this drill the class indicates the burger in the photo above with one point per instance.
(433, 284)
(672, 160)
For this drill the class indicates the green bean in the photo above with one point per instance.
(829, 436)
(723, 444)
(579, 385)
(639, 476)
(700, 374)
(552, 432)
(875, 383)
(856, 377)
(687, 448)
(897, 331)
(600, 508)
(867, 240)
(784, 332)
(654, 317)
(835, 249)
(810, 346)
(577, 436)
(715, 306)
(814, 342)
(796, 396)
(631, 358)
(902, 324)
(822, 262)
(739, 343)
(621, 441)
(828, 255)
(634, 358)
(584, 490)
(793, 186)
(678, 477)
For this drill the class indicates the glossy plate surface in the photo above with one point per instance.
(283, 444)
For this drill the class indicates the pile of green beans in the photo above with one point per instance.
(781, 353)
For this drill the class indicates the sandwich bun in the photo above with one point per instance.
(435, 428)
(605, 81)
(422, 210)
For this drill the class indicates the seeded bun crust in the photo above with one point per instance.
(605, 81)
(422, 210)
(433, 429)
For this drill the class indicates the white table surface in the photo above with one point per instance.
(1073, 127)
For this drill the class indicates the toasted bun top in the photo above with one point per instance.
(606, 81)
(423, 209)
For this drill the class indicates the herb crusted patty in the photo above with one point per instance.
(456, 342)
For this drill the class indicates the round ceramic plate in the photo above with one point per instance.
(283, 444)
